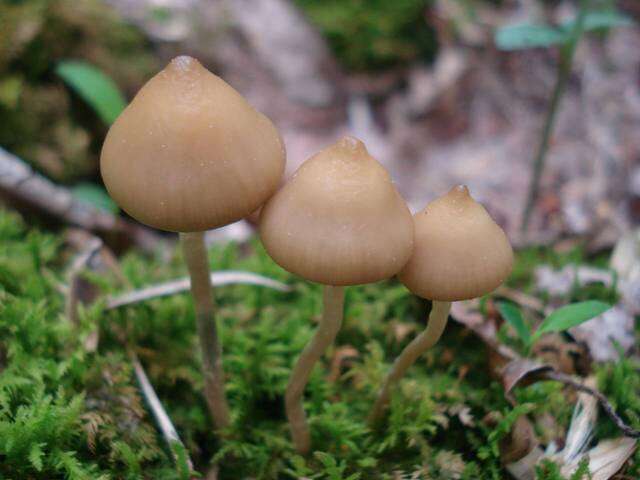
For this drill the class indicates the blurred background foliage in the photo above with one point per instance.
(47, 124)
(374, 35)
(43, 121)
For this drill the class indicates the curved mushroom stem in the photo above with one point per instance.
(333, 299)
(195, 254)
(427, 339)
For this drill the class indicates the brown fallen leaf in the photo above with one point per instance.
(564, 356)
(519, 441)
(522, 372)
(401, 330)
(341, 355)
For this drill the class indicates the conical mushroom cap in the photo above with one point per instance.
(339, 220)
(459, 253)
(189, 153)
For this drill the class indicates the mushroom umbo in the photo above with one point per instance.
(187, 155)
(339, 221)
(460, 253)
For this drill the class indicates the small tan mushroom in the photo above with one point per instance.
(187, 155)
(339, 221)
(459, 253)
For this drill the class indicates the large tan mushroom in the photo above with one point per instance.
(339, 221)
(460, 253)
(187, 155)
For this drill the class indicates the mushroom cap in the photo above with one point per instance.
(459, 253)
(339, 220)
(189, 153)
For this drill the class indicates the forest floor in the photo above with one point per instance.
(71, 407)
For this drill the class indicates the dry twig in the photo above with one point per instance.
(21, 185)
(227, 277)
(157, 410)
(627, 430)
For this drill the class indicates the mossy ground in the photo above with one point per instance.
(69, 412)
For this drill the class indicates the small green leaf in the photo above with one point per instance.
(96, 88)
(513, 316)
(528, 35)
(95, 195)
(571, 315)
(35, 456)
(601, 20)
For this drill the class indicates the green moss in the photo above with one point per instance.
(373, 35)
(66, 412)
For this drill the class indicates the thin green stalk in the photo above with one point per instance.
(567, 54)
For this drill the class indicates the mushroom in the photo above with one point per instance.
(460, 253)
(339, 221)
(187, 155)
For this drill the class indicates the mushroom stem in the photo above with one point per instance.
(427, 339)
(195, 254)
(333, 300)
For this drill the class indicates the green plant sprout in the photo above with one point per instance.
(95, 87)
(566, 36)
(560, 320)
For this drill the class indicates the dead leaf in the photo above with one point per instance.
(450, 464)
(603, 334)
(401, 330)
(564, 356)
(519, 442)
(560, 282)
(625, 261)
(463, 412)
(341, 355)
(522, 372)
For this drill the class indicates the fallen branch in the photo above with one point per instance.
(22, 186)
(228, 277)
(627, 430)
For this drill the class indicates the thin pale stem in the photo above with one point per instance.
(195, 254)
(427, 339)
(567, 52)
(325, 335)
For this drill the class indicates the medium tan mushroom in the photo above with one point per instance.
(460, 253)
(187, 155)
(339, 221)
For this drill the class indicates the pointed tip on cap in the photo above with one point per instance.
(460, 191)
(459, 253)
(339, 220)
(189, 153)
(351, 145)
(183, 63)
